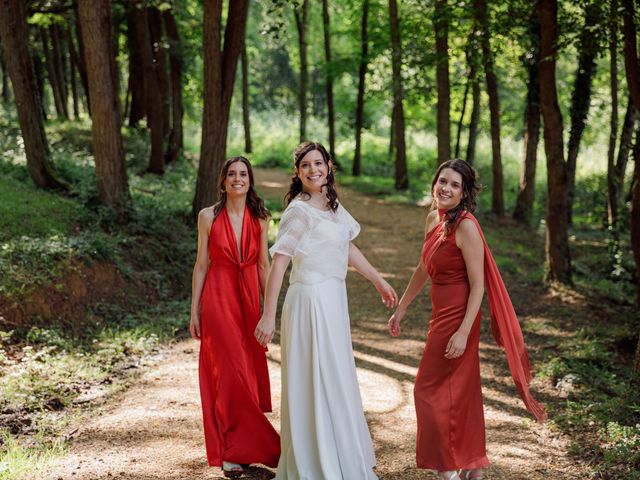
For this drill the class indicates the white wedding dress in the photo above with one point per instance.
(324, 434)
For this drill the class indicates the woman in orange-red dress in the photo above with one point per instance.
(447, 392)
(229, 273)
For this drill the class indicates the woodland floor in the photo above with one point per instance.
(153, 430)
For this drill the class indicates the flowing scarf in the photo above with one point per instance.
(504, 322)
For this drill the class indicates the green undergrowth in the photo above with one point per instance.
(46, 371)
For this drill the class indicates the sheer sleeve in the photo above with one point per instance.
(295, 223)
(350, 222)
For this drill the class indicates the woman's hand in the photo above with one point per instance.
(265, 330)
(394, 323)
(195, 327)
(457, 345)
(387, 293)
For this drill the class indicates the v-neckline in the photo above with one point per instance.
(237, 240)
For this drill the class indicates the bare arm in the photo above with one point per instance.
(205, 219)
(267, 325)
(470, 243)
(358, 261)
(417, 281)
(263, 259)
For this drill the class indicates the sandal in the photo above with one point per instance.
(476, 474)
(449, 475)
(232, 470)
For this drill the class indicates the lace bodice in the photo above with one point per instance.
(317, 241)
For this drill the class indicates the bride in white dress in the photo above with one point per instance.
(324, 434)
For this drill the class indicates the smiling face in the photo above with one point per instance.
(447, 190)
(237, 181)
(313, 170)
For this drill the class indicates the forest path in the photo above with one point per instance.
(154, 431)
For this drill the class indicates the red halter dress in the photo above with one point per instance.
(234, 380)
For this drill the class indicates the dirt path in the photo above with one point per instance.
(153, 430)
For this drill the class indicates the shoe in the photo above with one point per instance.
(449, 475)
(476, 474)
(232, 470)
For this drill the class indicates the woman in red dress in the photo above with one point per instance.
(230, 272)
(447, 392)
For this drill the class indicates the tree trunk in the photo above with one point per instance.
(136, 80)
(73, 78)
(615, 181)
(631, 61)
(301, 14)
(39, 72)
(153, 98)
(246, 120)
(581, 96)
(402, 177)
(527, 189)
(497, 189)
(82, 65)
(160, 65)
(612, 198)
(464, 109)
(5, 78)
(329, 78)
(475, 116)
(52, 74)
(59, 64)
(111, 174)
(441, 26)
(14, 36)
(176, 141)
(558, 260)
(76, 68)
(362, 74)
(219, 75)
(635, 213)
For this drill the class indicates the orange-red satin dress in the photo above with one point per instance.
(447, 393)
(234, 380)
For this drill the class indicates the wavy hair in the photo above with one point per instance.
(254, 202)
(295, 188)
(470, 189)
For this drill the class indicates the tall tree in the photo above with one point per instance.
(219, 76)
(53, 74)
(329, 78)
(475, 109)
(160, 63)
(401, 174)
(135, 88)
(527, 189)
(362, 74)
(246, 119)
(301, 13)
(77, 63)
(14, 36)
(497, 189)
(464, 100)
(176, 137)
(612, 202)
(441, 26)
(73, 75)
(102, 74)
(581, 95)
(153, 98)
(59, 63)
(632, 67)
(82, 66)
(558, 260)
(5, 78)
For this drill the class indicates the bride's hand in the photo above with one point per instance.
(387, 293)
(265, 330)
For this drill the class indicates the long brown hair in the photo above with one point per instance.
(470, 189)
(295, 188)
(254, 202)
